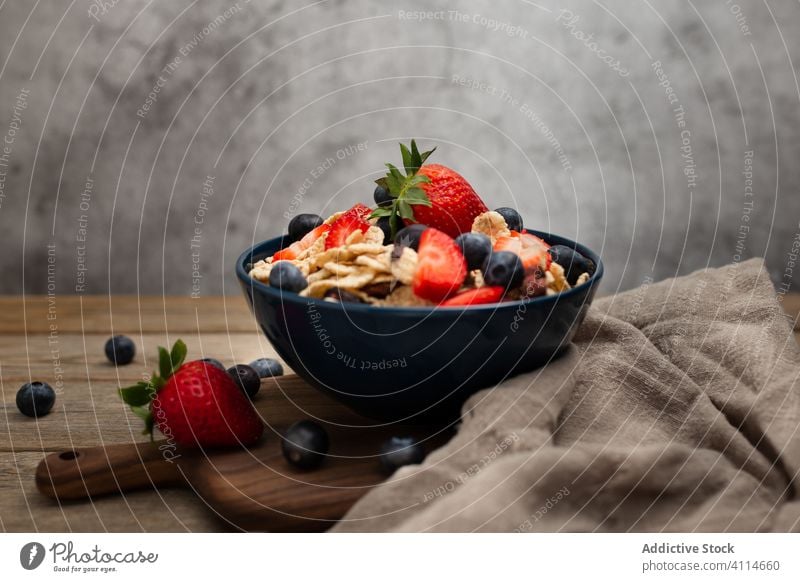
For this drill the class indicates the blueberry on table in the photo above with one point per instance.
(382, 196)
(35, 399)
(475, 247)
(302, 224)
(305, 444)
(409, 236)
(246, 378)
(120, 350)
(214, 362)
(286, 277)
(503, 269)
(574, 263)
(512, 217)
(267, 367)
(400, 451)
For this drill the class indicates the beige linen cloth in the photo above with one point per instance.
(677, 409)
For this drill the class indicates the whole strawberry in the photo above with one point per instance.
(432, 194)
(194, 404)
(454, 204)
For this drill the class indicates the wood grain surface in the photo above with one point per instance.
(61, 342)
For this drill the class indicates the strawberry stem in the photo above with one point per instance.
(404, 189)
(140, 396)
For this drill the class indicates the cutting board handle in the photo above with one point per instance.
(82, 473)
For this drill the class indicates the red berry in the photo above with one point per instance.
(200, 405)
(287, 254)
(475, 297)
(441, 267)
(349, 222)
(534, 284)
(293, 250)
(454, 204)
(529, 248)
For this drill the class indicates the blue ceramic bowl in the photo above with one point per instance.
(413, 364)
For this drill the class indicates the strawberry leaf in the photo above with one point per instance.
(178, 355)
(420, 158)
(164, 363)
(379, 212)
(137, 395)
(393, 182)
(417, 196)
(404, 209)
(140, 395)
(404, 188)
(146, 415)
(397, 175)
(408, 160)
(414, 153)
(157, 382)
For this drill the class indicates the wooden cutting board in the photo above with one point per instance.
(251, 489)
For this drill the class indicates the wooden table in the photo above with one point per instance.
(61, 342)
(64, 340)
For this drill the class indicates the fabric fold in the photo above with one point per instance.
(676, 409)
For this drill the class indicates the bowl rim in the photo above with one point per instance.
(247, 257)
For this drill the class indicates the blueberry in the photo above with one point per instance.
(512, 217)
(409, 236)
(400, 451)
(35, 399)
(384, 223)
(214, 362)
(382, 196)
(475, 248)
(120, 350)
(503, 268)
(305, 444)
(302, 224)
(246, 378)
(574, 263)
(267, 367)
(286, 277)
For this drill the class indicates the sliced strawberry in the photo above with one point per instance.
(475, 297)
(530, 237)
(508, 243)
(441, 267)
(343, 228)
(287, 254)
(293, 250)
(311, 237)
(529, 248)
(349, 222)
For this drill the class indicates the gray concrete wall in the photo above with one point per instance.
(104, 186)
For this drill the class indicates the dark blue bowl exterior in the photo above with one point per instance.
(416, 365)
